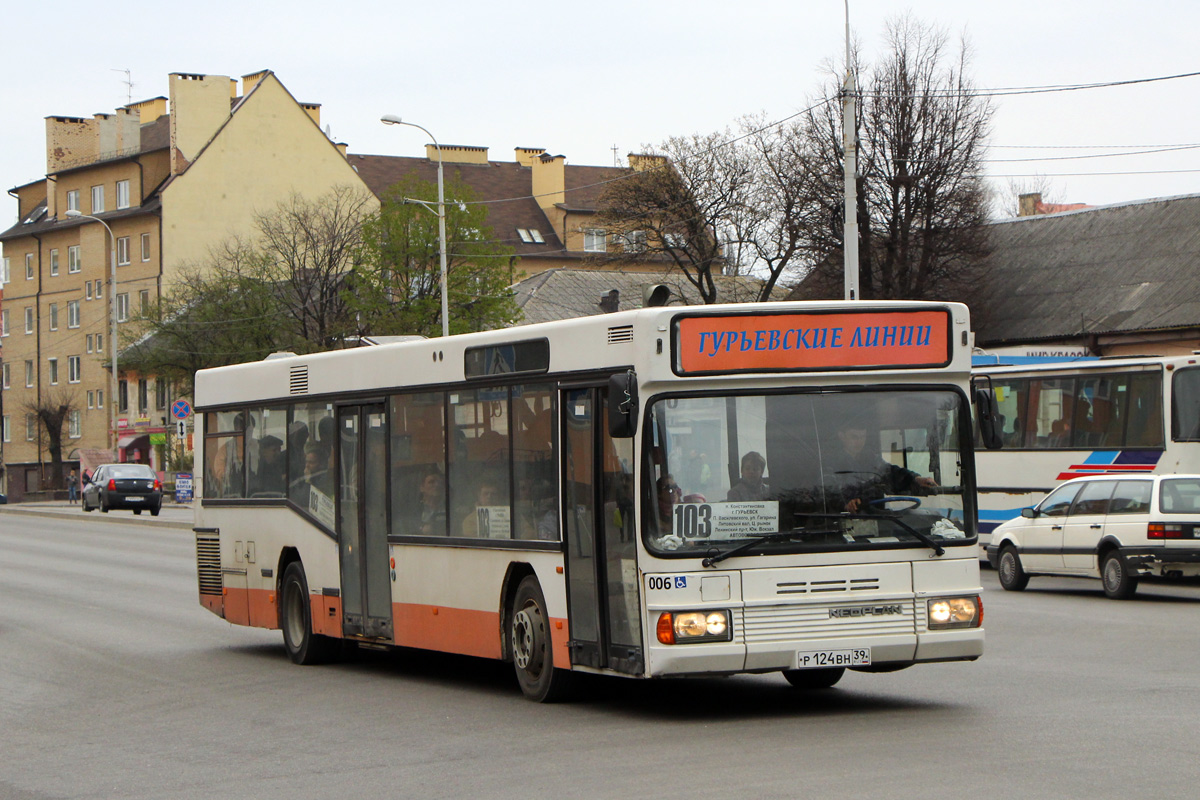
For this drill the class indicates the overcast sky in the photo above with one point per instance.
(579, 79)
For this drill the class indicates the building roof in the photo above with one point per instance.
(494, 181)
(1103, 270)
(570, 293)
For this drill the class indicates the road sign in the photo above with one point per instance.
(181, 409)
(181, 429)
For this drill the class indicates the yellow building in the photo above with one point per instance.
(171, 177)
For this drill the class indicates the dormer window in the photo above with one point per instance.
(594, 240)
(531, 236)
(525, 237)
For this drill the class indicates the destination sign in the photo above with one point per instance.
(807, 342)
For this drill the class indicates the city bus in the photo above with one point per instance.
(671, 491)
(1066, 419)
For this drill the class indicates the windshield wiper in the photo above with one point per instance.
(766, 537)
(924, 538)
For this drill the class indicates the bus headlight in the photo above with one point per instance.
(682, 627)
(955, 612)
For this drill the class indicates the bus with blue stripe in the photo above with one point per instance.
(1064, 419)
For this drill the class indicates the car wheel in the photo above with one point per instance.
(137, 512)
(814, 678)
(103, 505)
(295, 612)
(154, 511)
(83, 503)
(1119, 584)
(1012, 575)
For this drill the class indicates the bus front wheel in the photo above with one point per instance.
(532, 652)
(302, 645)
(814, 678)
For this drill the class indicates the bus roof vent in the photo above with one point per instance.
(298, 379)
(620, 334)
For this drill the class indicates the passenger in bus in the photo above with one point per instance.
(432, 496)
(477, 521)
(669, 494)
(751, 486)
(860, 476)
(316, 469)
(1060, 434)
(270, 480)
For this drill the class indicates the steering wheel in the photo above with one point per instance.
(914, 502)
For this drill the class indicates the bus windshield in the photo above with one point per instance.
(804, 472)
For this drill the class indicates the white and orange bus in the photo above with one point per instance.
(672, 491)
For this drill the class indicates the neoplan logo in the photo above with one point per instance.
(867, 611)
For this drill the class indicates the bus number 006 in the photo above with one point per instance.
(693, 520)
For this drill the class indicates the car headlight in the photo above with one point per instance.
(954, 612)
(684, 627)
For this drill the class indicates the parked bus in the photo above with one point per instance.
(664, 492)
(1067, 419)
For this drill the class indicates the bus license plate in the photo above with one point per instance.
(818, 659)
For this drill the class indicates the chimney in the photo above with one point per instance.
(252, 80)
(458, 154)
(640, 162)
(149, 110)
(342, 148)
(69, 141)
(550, 180)
(1028, 204)
(610, 301)
(314, 111)
(199, 106)
(526, 155)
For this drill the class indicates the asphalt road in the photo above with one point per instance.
(114, 683)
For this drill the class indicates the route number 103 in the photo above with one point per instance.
(692, 520)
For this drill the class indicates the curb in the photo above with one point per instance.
(129, 520)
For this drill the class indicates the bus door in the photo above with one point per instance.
(362, 521)
(598, 492)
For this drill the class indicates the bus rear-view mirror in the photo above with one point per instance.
(622, 405)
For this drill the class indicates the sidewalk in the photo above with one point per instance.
(172, 515)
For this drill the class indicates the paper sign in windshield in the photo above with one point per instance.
(724, 520)
(793, 342)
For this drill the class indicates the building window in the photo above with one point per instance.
(143, 395)
(160, 393)
(594, 240)
(87, 287)
(28, 374)
(29, 266)
(143, 301)
(123, 307)
(5, 277)
(675, 241)
(99, 342)
(145, 247)
(91, 399)
(4, 374)
(74, 259)
(122, 194)
(73, 200)
(525, 237)
(99, 289)
(89, 343)
(634, 242)
(123, 396)
(5, 425)
(54, 262)
(72, 313)
(123, 251)
(74, 368)
(54, 316)
(30, 427)
(99, 398)
(53, 371)
(29, 320)
(4, 322)
(74, 424)
(97, 199)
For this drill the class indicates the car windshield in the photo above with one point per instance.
(840, 470)
(130, 471)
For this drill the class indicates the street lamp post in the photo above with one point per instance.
(114, 397)
(392, 119)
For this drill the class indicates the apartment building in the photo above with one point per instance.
(170, 177)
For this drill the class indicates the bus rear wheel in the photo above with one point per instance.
(532, 652)
(814, 678)
(302, 645)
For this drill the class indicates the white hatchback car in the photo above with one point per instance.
(1116, 528)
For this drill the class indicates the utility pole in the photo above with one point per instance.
(850, 167)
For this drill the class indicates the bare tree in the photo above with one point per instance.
(922, 201)
(52, 413)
